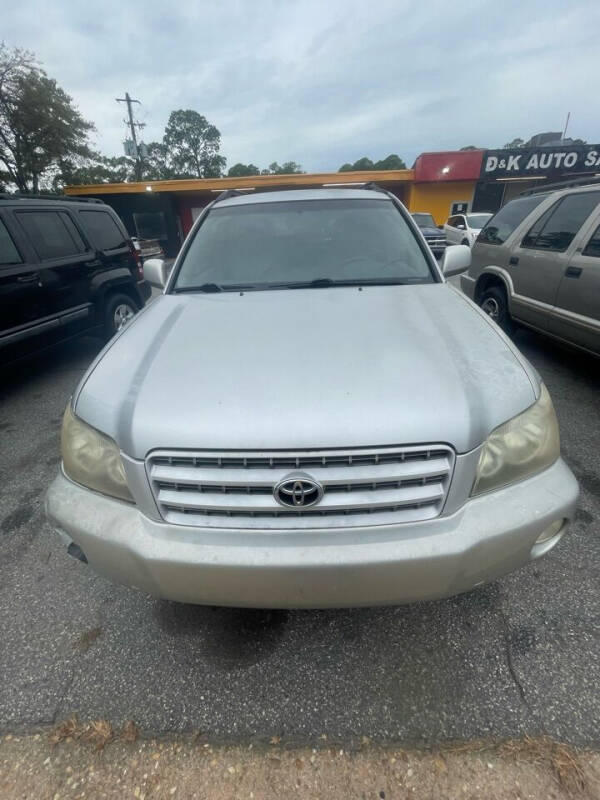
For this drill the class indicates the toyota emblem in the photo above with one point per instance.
(298, 491)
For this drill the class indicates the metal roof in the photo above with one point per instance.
(258, 182)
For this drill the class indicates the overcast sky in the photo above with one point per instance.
(322, 82)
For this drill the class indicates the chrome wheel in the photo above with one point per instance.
(122, 315)
(491, 308)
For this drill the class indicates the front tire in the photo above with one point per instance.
(466, 241)
(495, 304)
(119, 311)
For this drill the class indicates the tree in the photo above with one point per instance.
(515, 144)
(95, 168)
(363, 163)
(39, 125)
(192, 146)
(155, 166)
(391, 162)
(471, 147)
(241, 170)
(287, 168)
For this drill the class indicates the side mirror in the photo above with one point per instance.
(457, 259)
(156, 272)
(460, 227)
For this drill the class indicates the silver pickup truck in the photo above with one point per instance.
(310, 416)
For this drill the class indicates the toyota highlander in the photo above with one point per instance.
(310, 416)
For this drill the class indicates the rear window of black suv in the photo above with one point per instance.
(104, 230)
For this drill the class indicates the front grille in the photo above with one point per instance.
(436, 242)
(363, 486)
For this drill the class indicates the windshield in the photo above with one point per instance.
(477, 221)
(274, 245)
(424, 220)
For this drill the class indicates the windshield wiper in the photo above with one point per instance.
(323, 283)
(215, 287)
(205, 287)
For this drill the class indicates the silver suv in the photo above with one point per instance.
(310, 416)
(537, 262)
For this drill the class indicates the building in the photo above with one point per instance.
(442, 183)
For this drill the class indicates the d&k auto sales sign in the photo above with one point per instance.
(540, 161)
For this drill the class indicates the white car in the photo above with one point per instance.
(464, 228)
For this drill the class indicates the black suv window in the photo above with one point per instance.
(8, 252)
(592, 248)
(508, 219)
(52, 233)
(561, 225)
(104, 230)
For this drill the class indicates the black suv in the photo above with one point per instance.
(66, 267)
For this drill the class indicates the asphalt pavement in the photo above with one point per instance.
(521, 655)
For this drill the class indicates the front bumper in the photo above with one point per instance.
(379, 565)
(437, 249)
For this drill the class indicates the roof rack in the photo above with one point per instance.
(370, 185)
(553, 187)
(226, 194)
(375, 187)
(61, 197)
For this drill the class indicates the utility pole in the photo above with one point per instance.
(132, 126)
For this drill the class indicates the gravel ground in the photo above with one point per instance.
(181, 768)
(518, 656)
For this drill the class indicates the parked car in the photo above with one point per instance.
(310, 416)
(434, 237)
(66, 268)
(148, 248)
(537, 263)
(464, 228)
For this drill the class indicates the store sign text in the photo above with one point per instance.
(498, 163)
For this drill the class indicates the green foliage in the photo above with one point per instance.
(95, 168)
(470, 147)
(157, 166)
(363, 163)
(287, 168)
(392, 161)
(241, 170)
(39, 125)
(192, 146)
(515, 144)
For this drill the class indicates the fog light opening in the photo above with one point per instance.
(549, 537)
(76, 552)
(550, 532)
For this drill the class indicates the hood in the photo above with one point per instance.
(431, 232)
(315, 368)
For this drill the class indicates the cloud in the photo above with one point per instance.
(323, 83)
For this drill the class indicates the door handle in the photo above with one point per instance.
(573, 272)
(29, 277)
(514, 260)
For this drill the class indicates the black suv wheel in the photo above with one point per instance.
(119, 311)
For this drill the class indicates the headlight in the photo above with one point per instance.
(524, 445)
(92, 459)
